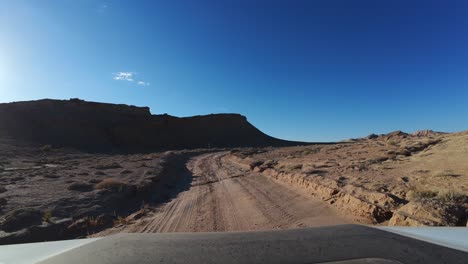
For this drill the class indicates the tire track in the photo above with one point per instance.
(225, 197)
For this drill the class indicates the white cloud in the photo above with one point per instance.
(143, 83)
(124, 76)
(129, 77)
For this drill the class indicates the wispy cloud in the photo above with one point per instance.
(124, 76)
(129, 77)
(143, 83)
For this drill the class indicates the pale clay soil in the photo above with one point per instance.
(394, 179)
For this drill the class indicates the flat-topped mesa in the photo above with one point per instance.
(101, 126)
(74, 107)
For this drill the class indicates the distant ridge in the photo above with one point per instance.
(102, 127)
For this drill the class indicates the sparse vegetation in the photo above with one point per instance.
(255, 164)
(403, 151)
(419, 194)
(46, 148)
(121, 221)
(445, 174)
(47, 216)
(446, 196)
(451, 196)
(111, 184)
(94, 222)
(294, 167)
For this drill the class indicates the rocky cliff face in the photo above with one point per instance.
(99, 126)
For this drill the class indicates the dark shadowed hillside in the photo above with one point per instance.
(100, 126)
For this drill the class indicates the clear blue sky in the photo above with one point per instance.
(300, 70)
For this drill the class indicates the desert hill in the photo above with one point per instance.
(101, 126)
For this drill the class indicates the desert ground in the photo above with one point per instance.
(49, 193)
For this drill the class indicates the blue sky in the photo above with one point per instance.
(300, 70)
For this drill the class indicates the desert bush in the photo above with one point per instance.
(392, 143)
(121, 221)
(419, 194)
(254, 164)
(293, 167)
(421, 171)
(448, 196)
(46, 148)
(111, 184)
(403, 151)
(47, 216)
(452, 196)
(445, 174)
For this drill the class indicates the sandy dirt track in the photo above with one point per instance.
(225, 197)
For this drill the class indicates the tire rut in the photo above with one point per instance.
(224, 197)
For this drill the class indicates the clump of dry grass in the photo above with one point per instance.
(47, 216)
(446, 196)
(293, 167)
(46, 148)
(94, 221)
(121, 221)
(451, 196)
(256, 163)
(419, 194)
(111, 184)
(445, 174)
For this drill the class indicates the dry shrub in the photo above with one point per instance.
(294, 167)
(419, 194)
(111, 184)
(452, 196)
(447, 196)
(121, 221)
(46, 148)
(445, 174)
(47, 216)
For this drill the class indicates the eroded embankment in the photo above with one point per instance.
(364, 204)
(368, 206)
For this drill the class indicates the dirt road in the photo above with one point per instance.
(225, 197)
